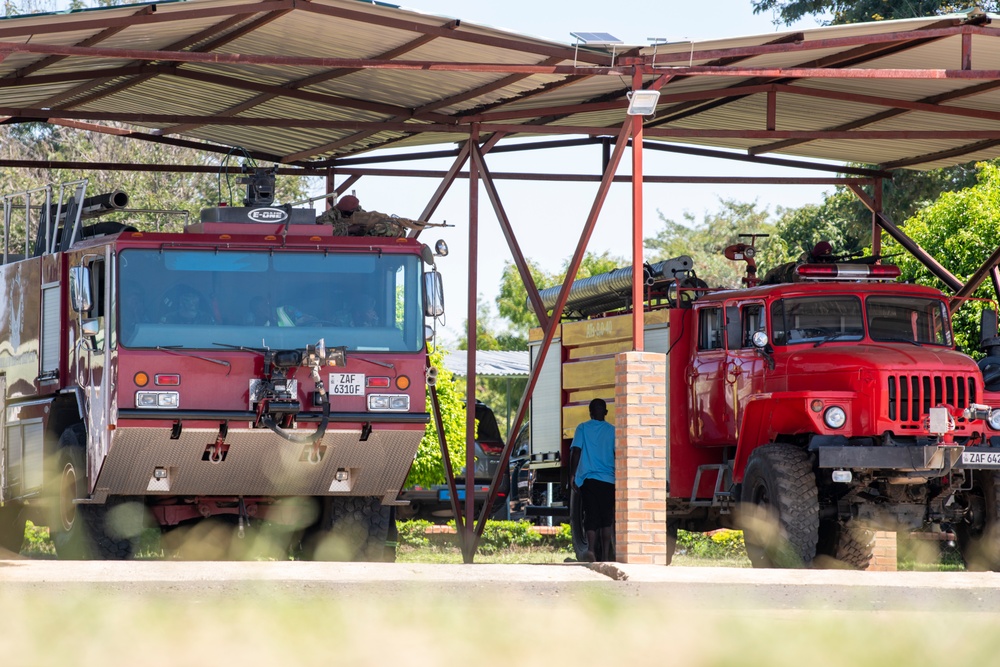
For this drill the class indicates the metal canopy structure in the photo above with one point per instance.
(321, 85)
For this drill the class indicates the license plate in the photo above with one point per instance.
(347, 384)
(985, 459)
(445, 495)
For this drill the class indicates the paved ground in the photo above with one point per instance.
(681, 587)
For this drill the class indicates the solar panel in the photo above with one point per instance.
(596, 38)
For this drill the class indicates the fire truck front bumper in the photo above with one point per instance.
(149, 460)
(915, 458)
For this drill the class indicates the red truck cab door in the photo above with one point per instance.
(745, 367)
(707, 384)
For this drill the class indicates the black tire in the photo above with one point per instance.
(11, 527)
(350, 529)
(779, 509)
(990, 366)
(671, 540)
(579, 535)
(392, 538)
(978, 536)
(79, 531)
(844, 545)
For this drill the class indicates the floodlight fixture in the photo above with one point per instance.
(642, 102)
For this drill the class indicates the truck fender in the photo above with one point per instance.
(766, 416)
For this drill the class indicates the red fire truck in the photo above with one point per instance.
(254, 367)
(810, 409)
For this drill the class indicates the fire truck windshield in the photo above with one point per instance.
(202, 299)
(902, 319)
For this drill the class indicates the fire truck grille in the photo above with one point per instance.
(911, 397)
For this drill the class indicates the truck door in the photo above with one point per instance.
(706, 378)
(744, 366)
(91, 348)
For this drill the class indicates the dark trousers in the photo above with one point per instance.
(598, 504)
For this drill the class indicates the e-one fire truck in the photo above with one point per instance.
(253, 367)
(808, 408)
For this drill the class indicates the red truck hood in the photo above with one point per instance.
(893, 357)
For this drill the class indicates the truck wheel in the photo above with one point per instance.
(671, 540)
(849, 545)
(11, 527)
(779, 511)
(82, 532)
(350, 529)
(579, 535)
(979, 535)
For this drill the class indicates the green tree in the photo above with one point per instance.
(860, 11)
(961, 227)
(428, 467)
(512, 300)
(704, 241)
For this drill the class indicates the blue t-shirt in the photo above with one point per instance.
(596, 441)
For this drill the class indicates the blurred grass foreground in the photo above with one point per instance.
(513, 542)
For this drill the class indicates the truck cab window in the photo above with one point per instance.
(907, 319)
(816, 319)
(710, 329)
(752, 320)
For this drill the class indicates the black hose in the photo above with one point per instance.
(302, 439)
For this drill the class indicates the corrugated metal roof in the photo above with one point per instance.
(118, 64)
(490, 363)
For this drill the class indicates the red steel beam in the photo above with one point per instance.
(638, 317)
(508, 232)
(448, 177)
(107, 33)
(803, 45)
(92, 21)
(470, 538)
(284, 90)
(909, 244)
(557, 310)
(409, 24)
(975, 280)
(92, 90)
(941, 155)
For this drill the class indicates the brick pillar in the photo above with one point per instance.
(641, 457)
(884, 553)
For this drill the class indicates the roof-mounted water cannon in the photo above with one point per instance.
(260, 185)
(746, 252)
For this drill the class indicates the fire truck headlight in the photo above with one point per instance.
(994, 420)
(162, 400)
(388, 402)
(834, 417)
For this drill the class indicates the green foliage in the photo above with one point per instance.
(960, 226)
(704, 241)
(859, 11)
(414, 533)
(37, 542)
(502, 535)
(512, 301)
(564, 538)
(717, 545)
(428, 468)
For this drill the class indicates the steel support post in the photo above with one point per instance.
(638, 320)
(557, 310)
(469, 542)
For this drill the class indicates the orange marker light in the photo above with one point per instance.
(402, 382)
(140, 379)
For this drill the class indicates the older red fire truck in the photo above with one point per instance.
(809, 409)
(253, 367)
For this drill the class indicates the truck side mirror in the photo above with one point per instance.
(79, 289)
(433, 294)
(91, 327)
(988, 330)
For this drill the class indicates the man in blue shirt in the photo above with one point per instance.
(592, 461)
